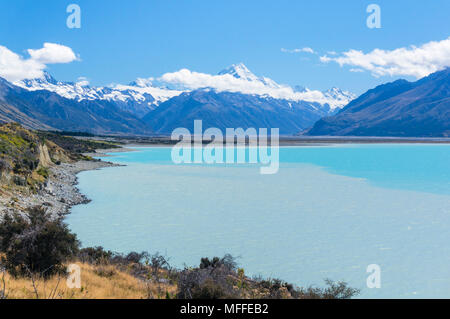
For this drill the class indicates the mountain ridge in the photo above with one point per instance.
(143, 95)
(399, 108)
(42, 109)
(234, 98)
(230, 110)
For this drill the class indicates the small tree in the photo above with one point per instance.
(95, 255)
(35, 243)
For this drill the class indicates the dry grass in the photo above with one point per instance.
(97, 282)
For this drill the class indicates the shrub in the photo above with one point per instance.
(43, 171)
(227, 261)
(105, 271)
(135, 257)
(334, 290)
(19, 181)
(210, 289)
(36, 243)
(4, 165)
(131, 258)
(212, 280)
(95, 255)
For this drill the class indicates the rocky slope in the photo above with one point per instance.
(36, 171)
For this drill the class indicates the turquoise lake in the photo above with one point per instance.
(329, 212)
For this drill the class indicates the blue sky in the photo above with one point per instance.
(122, 40)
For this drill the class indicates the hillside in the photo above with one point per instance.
(46, 110)
(25, 157)
(400, 108)
(38, 168)
(231, 110)
(109, 275)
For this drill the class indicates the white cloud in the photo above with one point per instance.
(185, 79)
(305, 50)
(407, 61)
(13, 67)
(82, 81)
(53, 53)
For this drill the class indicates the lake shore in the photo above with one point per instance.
(385, 195)
(60, 193)
(165, 141)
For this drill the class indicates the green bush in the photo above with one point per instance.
(334, 290)
(227, 261)
(35, 243)
(105, 271)
(213, 279)
(43, 171)
(95, 255)
(210, 289)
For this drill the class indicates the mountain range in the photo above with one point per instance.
(231, 110)
(235, 98)
(400, 108)
(47, 110)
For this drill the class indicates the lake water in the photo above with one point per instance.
(329, 212)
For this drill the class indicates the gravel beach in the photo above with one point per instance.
(60, 192)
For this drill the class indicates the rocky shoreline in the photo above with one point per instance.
(60, 192)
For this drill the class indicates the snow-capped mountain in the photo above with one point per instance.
(341, 98)
(236, 97)
(144, 95)
(136, 98)
(333, 98)
(240, 71)
(46, 110)
(230, 109)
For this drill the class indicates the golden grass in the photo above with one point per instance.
(97, 282)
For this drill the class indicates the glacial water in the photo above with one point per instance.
(329, 212)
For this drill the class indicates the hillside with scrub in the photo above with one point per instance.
(37, 165)
(36, 250)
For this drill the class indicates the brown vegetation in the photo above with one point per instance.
(95, 285)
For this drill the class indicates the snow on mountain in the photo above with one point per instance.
(240, 71)
(144, 95)
(70, 90)
(239, 79)
(138, 98)
(338, 98)
(334, 97)
(139, 88)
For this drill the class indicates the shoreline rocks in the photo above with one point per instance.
(60, 193)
